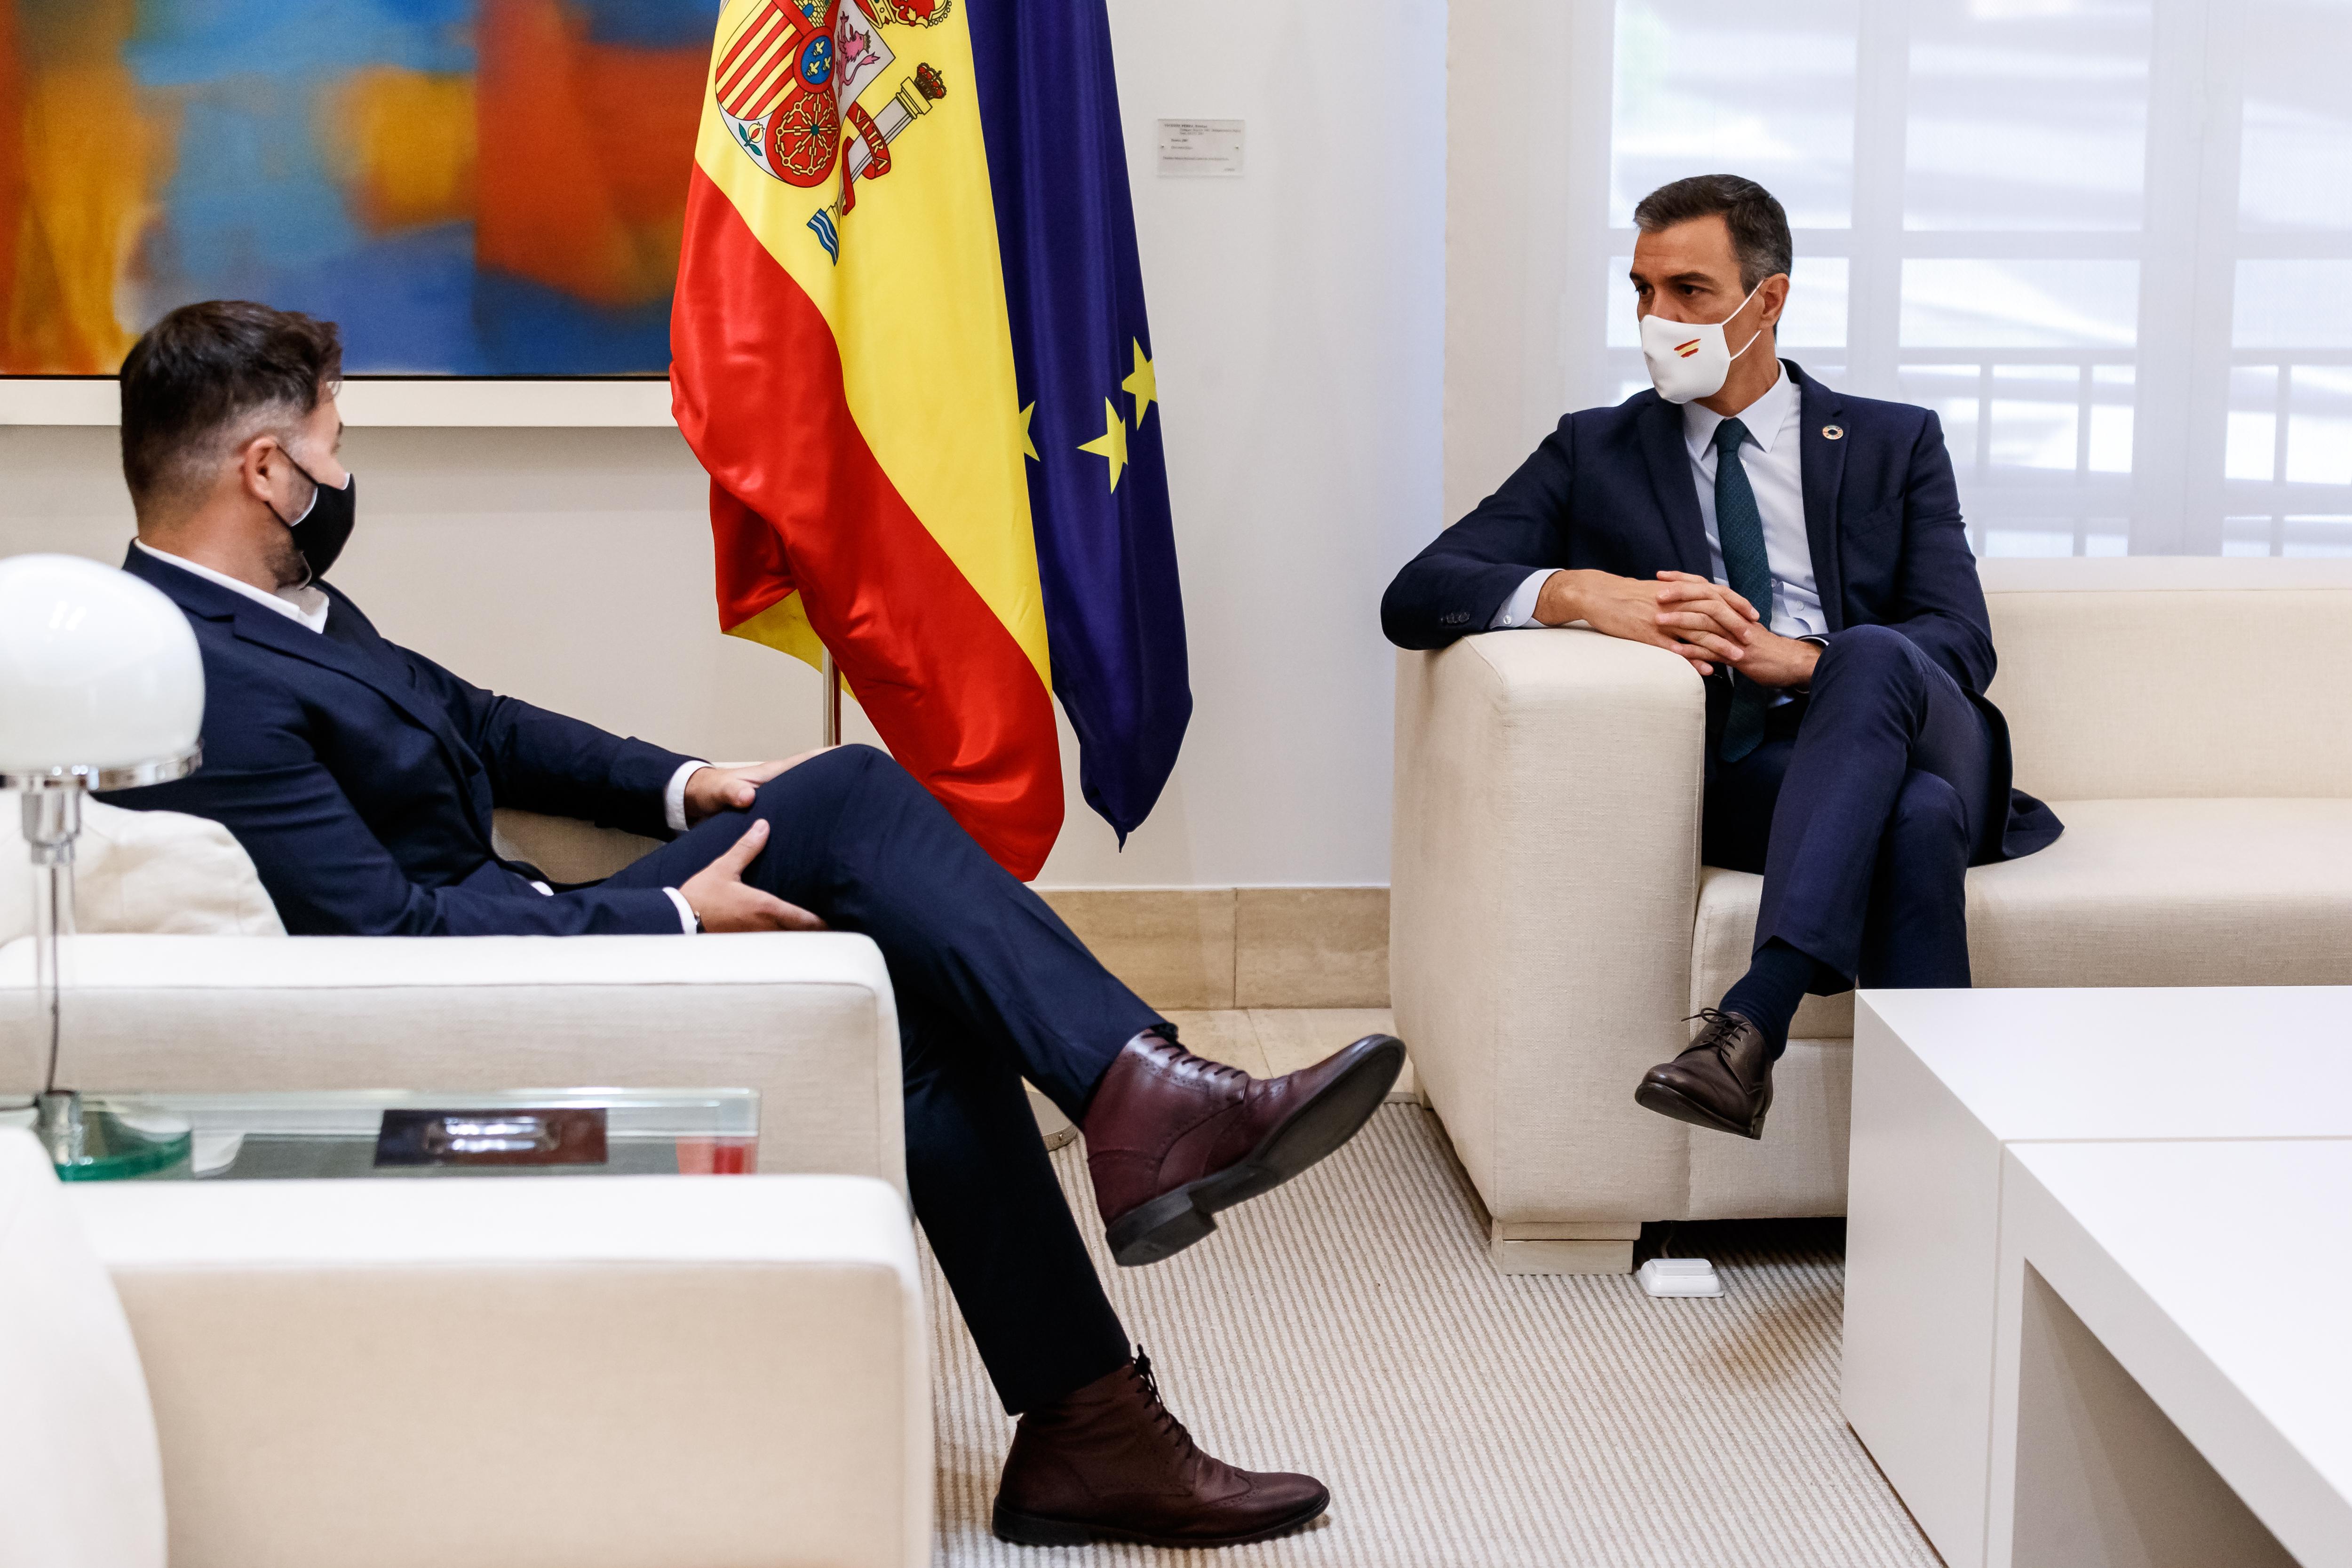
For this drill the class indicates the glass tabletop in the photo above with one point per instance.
(409, 1134)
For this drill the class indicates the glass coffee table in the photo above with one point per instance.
(403, 1133)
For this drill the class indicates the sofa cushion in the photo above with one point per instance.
(2135, 893)
(157, 873)
(2242, 711)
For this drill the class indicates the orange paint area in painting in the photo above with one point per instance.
(79, 173)
(12, 166)
(583, 149)
(404, 142)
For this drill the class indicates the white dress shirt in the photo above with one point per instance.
(309, 604)
(1771, 456)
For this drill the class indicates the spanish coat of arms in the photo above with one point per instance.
(788, 82)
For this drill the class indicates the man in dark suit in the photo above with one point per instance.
(360, 778)
(1804, 551)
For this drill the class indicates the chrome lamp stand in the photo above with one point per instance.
(85, 1141)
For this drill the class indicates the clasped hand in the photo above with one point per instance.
(717, 893)
(1702, 621)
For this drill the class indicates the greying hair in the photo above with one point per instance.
(209, 377)
(1759, 229)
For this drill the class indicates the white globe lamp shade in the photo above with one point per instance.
(100, 682)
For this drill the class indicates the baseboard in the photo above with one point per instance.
(1203, 949)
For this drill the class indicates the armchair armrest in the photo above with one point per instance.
(807, 1019)
(1545, 874)
(628, 1372)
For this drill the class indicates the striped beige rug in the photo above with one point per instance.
(1348, 1325)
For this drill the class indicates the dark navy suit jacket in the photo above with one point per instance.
(1610, 489)
(359, 777)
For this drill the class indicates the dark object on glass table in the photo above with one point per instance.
(572, 1135)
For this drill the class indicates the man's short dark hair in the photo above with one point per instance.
(208, 378)
(1759, 229)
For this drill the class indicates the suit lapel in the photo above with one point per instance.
(1822, 466)
(264, 627)
(281, 633)
(1670, 476)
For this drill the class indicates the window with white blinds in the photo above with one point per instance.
(2108, 241)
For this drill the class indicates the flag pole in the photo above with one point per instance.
(832, 701)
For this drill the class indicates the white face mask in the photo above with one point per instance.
(1689, 360)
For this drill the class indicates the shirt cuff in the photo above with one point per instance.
(673, 797)
(1819, 641)
(1519, 610)
(685, 910)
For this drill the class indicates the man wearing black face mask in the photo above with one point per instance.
(316, 505)
(360, 778)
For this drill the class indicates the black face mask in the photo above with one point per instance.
(325, 525)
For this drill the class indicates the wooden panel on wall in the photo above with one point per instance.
(1196, 949)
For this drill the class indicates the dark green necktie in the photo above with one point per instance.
(1739, 530)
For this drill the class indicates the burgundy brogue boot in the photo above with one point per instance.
(1723, 1081)
(1109, 1463)
(1173, 1138)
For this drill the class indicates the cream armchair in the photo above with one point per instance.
(806, 1019)
(1552, 928)
(628, 1373)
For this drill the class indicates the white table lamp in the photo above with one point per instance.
(100, 687)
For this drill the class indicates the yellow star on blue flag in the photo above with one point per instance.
(1111, 443)
(1144, 383)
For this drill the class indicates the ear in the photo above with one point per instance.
(257, 463)
(1771, 299)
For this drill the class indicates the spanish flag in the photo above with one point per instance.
(910, 349)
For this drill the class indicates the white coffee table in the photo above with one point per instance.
(2161, 1395)
(1945, 1082)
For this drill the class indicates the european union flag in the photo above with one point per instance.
(1082, 349)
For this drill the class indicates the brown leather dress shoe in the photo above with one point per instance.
(1173, 1138)
(1109, 1463)
(1723, 1081)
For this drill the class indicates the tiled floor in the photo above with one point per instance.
(1267, 1042)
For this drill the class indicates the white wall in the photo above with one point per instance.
(1296, 313)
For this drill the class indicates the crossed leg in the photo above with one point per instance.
(990, 987)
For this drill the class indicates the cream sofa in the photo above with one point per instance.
(1552, 927)
(808, 1020)
(636, 1372)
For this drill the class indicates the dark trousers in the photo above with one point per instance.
(990, 987)
(1864, 808)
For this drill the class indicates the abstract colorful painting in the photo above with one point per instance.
(471, 187)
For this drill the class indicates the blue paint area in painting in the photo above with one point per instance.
(182, 43)
(649, 24)
(259, 199)
(405, 304)
(529, 329)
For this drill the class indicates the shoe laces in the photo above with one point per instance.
(1715, 1017)
(1207, 1067)
(1163, 1419)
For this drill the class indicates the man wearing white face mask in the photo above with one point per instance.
(1804, 551)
